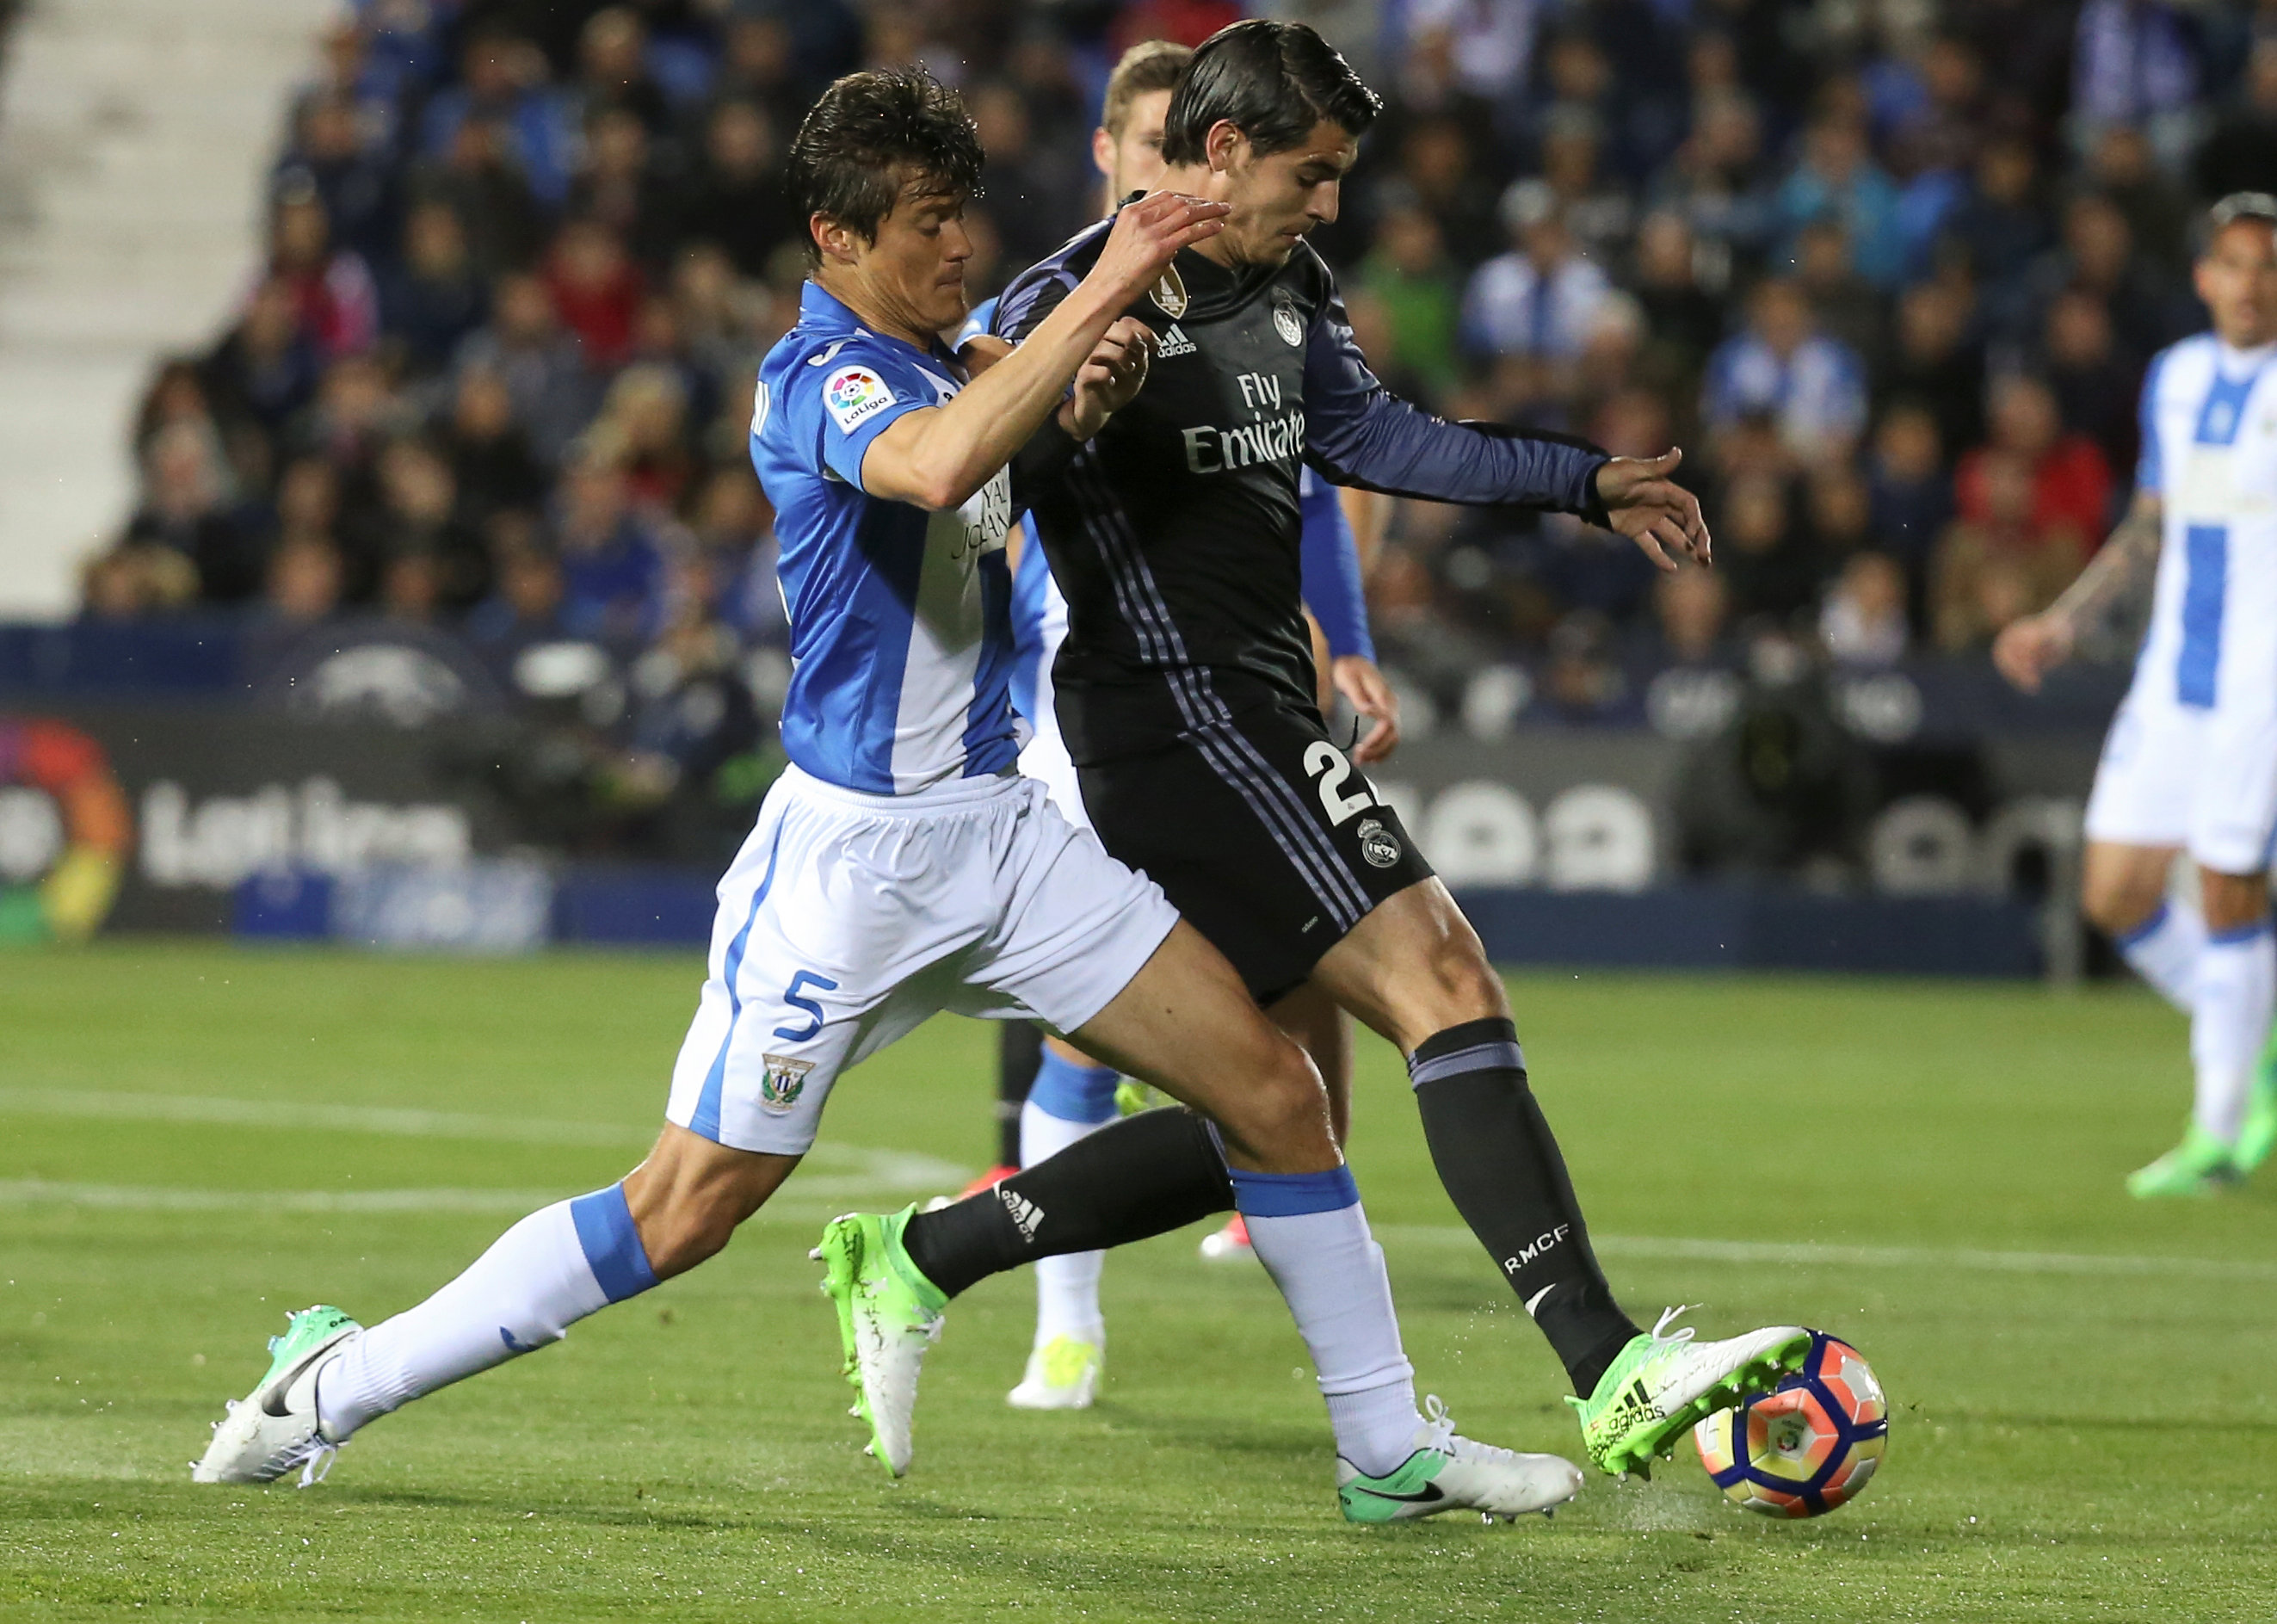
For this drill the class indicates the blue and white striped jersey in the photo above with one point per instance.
(2210, 455)
(901, 635)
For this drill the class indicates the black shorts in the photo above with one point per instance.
(1263, 834)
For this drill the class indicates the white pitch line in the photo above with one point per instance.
(829, 1170)
(1646, 1248)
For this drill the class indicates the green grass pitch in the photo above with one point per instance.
(194, 1139)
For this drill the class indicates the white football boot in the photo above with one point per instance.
(275, 1427)
(1062, 1375)
(1448, 1472)
(889, 1316)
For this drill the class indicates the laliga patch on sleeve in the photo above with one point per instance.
(854, 394)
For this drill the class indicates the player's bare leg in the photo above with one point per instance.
(1323, 1031)
(2229, 985)
(1415, 972)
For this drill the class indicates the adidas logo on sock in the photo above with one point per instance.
(1174, 343)
(1025, 1213)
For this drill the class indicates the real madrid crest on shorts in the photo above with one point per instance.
(1170, 295)
(782, 1081)
(1379, 845)
(1285, 321)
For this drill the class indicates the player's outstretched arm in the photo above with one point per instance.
(938, 458)
(2027, 649)
(1642, 503)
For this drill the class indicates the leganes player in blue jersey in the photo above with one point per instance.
(2191, 761)
(901, 866)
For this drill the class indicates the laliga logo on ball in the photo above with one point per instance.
(1807, 1445)
(65, 830)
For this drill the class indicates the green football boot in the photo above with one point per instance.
(275, 1427)
(888, 1315)
(2256, 1135)
(1660, 1386)
(2200, 1165)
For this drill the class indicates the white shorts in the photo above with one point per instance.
(848, 919)
(1044, 757)
(2204, 780)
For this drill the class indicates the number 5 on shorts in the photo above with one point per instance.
(798, 983)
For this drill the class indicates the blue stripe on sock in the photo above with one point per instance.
(1292, 1195)
(2144, 932)
(2240, 937)
(705, 1120)
(1073, 1092)
(612, 1245)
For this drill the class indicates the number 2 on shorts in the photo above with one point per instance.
(1326, 762)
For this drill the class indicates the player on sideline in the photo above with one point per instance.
(901, 866)
(1185, 691)
(2190, 762)
(1065, 1095)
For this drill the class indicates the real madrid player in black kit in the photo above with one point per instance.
(1186, 695)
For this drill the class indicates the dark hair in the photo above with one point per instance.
(871, 137)
(1149, 65)
(1274, 81)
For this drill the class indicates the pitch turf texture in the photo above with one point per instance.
(193, 1139)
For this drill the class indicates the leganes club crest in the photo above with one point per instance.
(781, 1080)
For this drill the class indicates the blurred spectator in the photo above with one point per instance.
(1864, 621)
(611, 564)
(503, 82)
(2001, 565)
(733, 197)
(1539, 302)
(595, 289)
(1848, 308)
(184, 508)
(619, 184)
(135, 580)
(479, 182)
(1039, 194)
(2137, 64)
(264, 369)
(1760, 551)
(1599, 212)
(1716, 182)
(424, 520)
(435, 297)
(1692, 608)
(1411, 275)
(334, 152)
(1911, 498)
(491, 463)
(544, 369)
(613, 71)
(1839, 180)
(1935, 361)
(2070, 480)
(759, 65)
(1685, 321)
(1442, 176)
(2096, 386)
(1813, 386)
(2097, 253)
(2240, 154)
(2122, 167)
(1998, 223)
(304, 583)
(333, 299)
(641, 430)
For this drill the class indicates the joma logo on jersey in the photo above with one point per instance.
(1540, 1243)
(1212, 450)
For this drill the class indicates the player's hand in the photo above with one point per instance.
(1360, 681)
(1145, 237)
(2027, 649)
(1110, 378)
(1652, 510)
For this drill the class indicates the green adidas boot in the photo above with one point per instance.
(1659, 1386)
(2200, 1165)
(888, 1315)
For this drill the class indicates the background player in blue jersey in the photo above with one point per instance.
(2191, 763)
(900, 867)
(1050, 1094)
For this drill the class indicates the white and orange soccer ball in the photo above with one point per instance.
(1807, 1445)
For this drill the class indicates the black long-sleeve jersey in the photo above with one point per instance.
(1175, 533)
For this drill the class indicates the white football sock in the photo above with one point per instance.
(1067, 1288)
(2237, 984)
(1311, 1235)
(2164, 950)
(541, 1276)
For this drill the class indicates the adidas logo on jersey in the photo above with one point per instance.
(1025, 1213)
(1174, 343)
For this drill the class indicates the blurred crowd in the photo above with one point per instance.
(1890, 272)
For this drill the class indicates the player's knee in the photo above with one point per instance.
(686, 1230)
(2233, 901)
(2115, 907)
(1284, 1114)
(1458, 985)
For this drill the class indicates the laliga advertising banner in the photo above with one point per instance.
(148, 819)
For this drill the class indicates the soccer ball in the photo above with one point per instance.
(1806, 1447)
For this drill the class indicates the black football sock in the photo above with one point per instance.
(1500, 1163)
(1144, 1176)
(1019, 1051)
